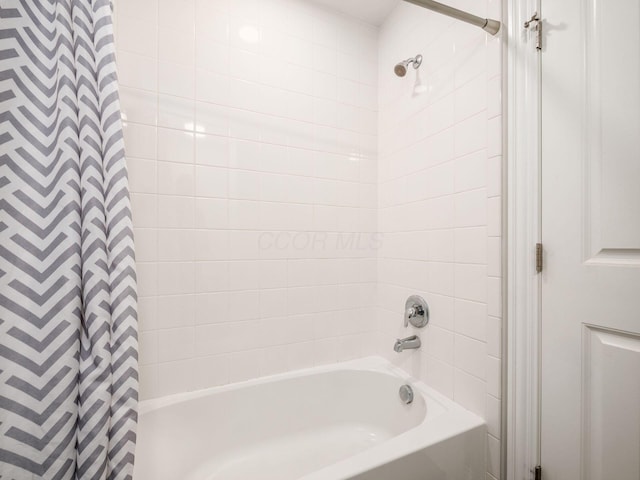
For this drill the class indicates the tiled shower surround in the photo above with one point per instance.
(290, 192)
(439, 200)
(251, 141)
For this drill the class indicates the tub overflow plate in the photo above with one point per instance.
(406, 394)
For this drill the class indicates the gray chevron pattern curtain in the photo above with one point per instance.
(68, 341)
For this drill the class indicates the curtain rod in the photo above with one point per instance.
(487, 24)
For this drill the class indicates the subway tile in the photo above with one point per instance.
(212, 119)
(175, 179)
(440, 376)
(471, 171)
(211, 277)
(147, 309)
(441, 311)
(149, 381)
(212, 308)
(440, 344)
(213, 57)
(248, 245)
(176, 15)
(211, 245)
(471, 98)
(494, 337)
(471, 135)
(141, 10)
(175, 146)
(493, 457)
(494, 136)
(494, 177)
(212, 87)
(211, 150)
(494, 96)
(134, 71)
(300, 355)
(272, 273)
(211, 213)
(176, 80)
(470, 355)
(176, 112)
(175, 278)
(176, 377)
(244, 214)
(494, 256)
(211, 371)
(273, 303)
(494, 384)
(176, 211)
(139, 106)
(471, 60)
(471, 318)
(175, 311)
(211, 182)
(494, 216)
(176, 245)
(140, 140)
(148, 347)
(146, 244)
(471, 245)
(144, 210)
(471, 282)
(274, 360)
(471, 208)
(494, 296)
(176, 344)
(242, 276)
(493, 416)
(470, 392)
(177, 45)
(244, 366)
(147, 279)
(244, 185)
(212, 23)
(143, 175)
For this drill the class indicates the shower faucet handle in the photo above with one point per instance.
(416, 311)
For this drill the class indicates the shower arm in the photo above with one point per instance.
(487, 24)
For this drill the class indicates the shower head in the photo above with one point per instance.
(401, 68)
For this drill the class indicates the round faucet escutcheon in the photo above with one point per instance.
(416, 312)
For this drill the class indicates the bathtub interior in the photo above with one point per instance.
(278, 429)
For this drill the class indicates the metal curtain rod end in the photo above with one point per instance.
(492, 26)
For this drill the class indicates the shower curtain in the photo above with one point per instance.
(68, 341)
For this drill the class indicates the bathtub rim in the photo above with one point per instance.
(374, 363)
(454, 420)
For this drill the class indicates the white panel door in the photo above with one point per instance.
(590, 333)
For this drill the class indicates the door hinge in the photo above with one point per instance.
(537, 473)
(539, 257)
(537, 28)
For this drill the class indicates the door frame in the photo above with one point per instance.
(521, 411)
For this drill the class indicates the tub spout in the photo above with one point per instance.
(408, 343)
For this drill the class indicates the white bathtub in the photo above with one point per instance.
(344, 421)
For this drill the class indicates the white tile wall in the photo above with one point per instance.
(289, 192)
(440, 204)
(251, 134)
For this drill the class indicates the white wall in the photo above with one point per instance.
(440, 204)
(251, 141)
